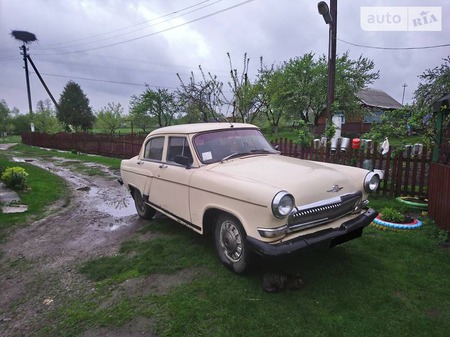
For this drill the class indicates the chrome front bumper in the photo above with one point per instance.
(349, 230)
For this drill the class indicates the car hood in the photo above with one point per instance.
(308, 181)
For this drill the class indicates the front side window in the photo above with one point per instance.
(178, 146)
(154, 148)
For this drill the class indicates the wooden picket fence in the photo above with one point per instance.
(405, 173)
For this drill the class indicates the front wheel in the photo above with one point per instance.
(143, 210)
(229, 238)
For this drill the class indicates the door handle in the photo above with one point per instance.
(163, 166)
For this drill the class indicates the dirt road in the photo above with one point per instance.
(38, 268)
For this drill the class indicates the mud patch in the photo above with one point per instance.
(39, 262)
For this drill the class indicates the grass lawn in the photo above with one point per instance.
(385, 283)
(44, 189)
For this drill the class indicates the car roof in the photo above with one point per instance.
(200, 127)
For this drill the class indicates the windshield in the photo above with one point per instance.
(220, 145)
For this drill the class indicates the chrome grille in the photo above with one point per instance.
(320, 213)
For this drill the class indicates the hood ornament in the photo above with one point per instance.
(335, 188)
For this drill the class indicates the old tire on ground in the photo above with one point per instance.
(143, 210)
(229, 238)
(415, 203)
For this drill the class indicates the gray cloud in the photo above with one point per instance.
(112, 48)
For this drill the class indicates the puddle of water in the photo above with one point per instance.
(112, 202)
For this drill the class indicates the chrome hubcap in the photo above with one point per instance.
(231, 241)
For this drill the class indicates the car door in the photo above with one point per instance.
(150, 161)
(170, 187)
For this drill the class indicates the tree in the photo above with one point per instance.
(303, 85)
(74, 109)
(272, 94)
(203, 100)
(246, 101)
(4, 116)
(110, 118)
(45, 119)
(154, 107)
(21, 123)
(352, 76)
(434, 83)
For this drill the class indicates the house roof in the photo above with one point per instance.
(443, 101)
(377, 98)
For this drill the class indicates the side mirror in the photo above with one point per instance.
(183, 160)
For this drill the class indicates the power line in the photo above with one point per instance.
(394, 48)
(105, 81)
(59, 44)
(67, 44)
(157, 32)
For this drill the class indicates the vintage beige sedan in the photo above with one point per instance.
(226, 179)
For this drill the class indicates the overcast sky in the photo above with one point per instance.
(112, 48)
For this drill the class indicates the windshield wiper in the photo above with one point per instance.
(239, 154)
(235, 154)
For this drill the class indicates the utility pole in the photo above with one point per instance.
(330, 16)
(27, 76)
(404, 87)
(25, 37)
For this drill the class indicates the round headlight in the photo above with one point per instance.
(371, 182)
(282, 204)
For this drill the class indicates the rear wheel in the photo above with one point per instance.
(143, 210)
(229, 237)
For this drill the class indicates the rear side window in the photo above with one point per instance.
(178, 146)
(154, 148)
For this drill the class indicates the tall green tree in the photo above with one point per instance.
(110, 118)
(154, 107)
(74, 110)
(4, 117)
(273, 96)
(45, 119)
(434, 83)
(302, 92)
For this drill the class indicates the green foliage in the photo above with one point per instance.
(434, 83)
(45, 119)
(21, 124)
(392, 215)
(74, 110)
(304, 135)
(393, 125)
(6, 125)
(298, 88)
(110, 118)
(153, 107)
(330, 131)
(15, 177)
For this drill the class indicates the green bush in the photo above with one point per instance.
(15, 177)
(392, 215)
